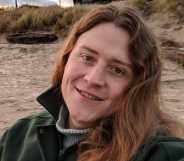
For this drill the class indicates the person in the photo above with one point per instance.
(103, 104)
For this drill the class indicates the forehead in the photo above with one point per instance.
(107, 40)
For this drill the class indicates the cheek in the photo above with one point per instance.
(67, 76)
(117, 95)
(73, 67)
(118, 90)
(69, 70)
(72, 73)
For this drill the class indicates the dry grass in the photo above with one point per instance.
(51, 18)
(139, 3)
(59, 20)
(165, 5)
(174, 6)
(37, 19)
(70, 16)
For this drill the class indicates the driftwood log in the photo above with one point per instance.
(31, 37)
(173, 50)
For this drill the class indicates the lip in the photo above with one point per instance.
(88, 95)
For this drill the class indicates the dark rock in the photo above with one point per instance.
(170, 43)
(31, 38)
(92, 1)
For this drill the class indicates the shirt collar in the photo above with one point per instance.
(51, 100)
(61, 124)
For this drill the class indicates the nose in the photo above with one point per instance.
(95, 76)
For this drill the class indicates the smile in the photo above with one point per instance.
(89, 95)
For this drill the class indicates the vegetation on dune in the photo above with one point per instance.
(175, 6)
(69, 17)
(59, 20)
(51, 18)
(157, 4)
(37, 19)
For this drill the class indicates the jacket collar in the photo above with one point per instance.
(51, 100)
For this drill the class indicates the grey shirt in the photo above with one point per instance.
(70, 136)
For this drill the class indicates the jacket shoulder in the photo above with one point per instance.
(29, 124)
(173, 148)
(23, 136)
(162, 149)
(41, 118)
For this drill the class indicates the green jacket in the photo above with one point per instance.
(35, 138)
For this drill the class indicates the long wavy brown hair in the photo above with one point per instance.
(118, 137)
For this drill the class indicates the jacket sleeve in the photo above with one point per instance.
(167, 151)
(161, 148)
(3, 144)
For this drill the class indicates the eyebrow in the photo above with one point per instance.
(112, 60)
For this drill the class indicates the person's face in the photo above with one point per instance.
(97, 73)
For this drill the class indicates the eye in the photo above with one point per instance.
(87, 58)
(118, 71)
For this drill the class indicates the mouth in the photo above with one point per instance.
(89, 95)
